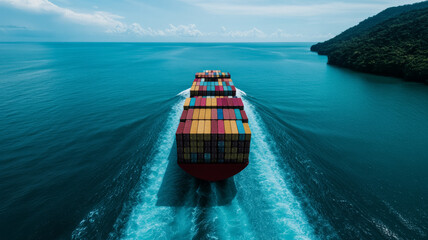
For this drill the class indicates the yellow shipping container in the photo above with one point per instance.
(201, 128)
(208, 114)
(186, 103)
(247, 131)
(201, 114)
(234, 129)
(227, 130)
(195, 114)
(193, 130)
(207, 131)
(214, 103)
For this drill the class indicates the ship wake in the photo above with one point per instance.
(256, 203)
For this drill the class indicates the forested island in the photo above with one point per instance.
(393, 43)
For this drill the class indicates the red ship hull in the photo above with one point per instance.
(213, 171)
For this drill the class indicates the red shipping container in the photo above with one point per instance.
(179, 132)
(224, 103)
(189, 114)
(226, 114)
(219, 103)
(214, 113)
(203, 102)
(220, 127)
(231, 114)
(214, 126)
(240, 104)
(187, 126)
(244, 116)
(198, 102)
(183, 116)
(229, 102)
(235, 102)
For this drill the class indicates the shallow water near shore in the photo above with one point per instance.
(87, 145)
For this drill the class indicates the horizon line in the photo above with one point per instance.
(148, 42)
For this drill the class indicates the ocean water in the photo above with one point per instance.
(87, 146)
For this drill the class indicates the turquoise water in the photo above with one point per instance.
(87, 146)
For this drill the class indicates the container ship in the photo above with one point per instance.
(213, 136)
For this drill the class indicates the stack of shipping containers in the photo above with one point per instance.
(213, 125)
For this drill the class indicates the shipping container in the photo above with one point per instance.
(193, 130)
(244, 116)
(213, 136)
(183, 116)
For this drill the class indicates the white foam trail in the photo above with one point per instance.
(240, 93)
(81, 230)
(387, 232)
(184, 93)
(232, 221)
(148, 221)
(283, 206)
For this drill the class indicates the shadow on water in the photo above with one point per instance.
(178, 188)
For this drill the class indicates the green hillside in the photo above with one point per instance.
(394, 46)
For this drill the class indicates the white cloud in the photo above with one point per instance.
(285, 9)
(139, 30)
(252, 33)
(104, 19)
(183, 30)
(108, 21)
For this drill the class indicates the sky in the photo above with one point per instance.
(183, 20)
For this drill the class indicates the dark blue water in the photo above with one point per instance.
(87, 146)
